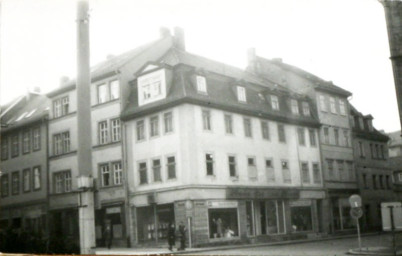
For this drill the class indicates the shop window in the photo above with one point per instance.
(223, 223)
(147, 229)
(209, 161)
(271, 217)
(228, 124)
(300, 215)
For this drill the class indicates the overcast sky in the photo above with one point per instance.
(344, 41)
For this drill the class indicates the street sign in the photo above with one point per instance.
(356, 212)
(394, 209)
(355, 201)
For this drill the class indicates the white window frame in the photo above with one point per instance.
(201, 84)
(332, 104)
(206, 120)
(265, 130)
(342, 107)
(306, 179)
(151, 87)
(306, 108)
(212, 162)
(154, 126)
(115, 126)
(274, 102)
(117, 173)
(168, 122)
(241, 94)
(171, 164)
(323, 103)
(103, 130)
(234, 164)
(294, 104)
(140, 130)
(228, 123)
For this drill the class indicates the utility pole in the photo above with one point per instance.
(84, 153)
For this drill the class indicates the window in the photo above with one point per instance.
(4, 148)
(342, 108)
(341, 170)
(286, 172)
(274, 102)
(103, 132)
(15, 183)
(306, 108)
(241, 94)
(61, 143)
(336, 136)
(114, 90)
(349, 166)
(140, 130)
(115, 123)
(232, 166)
(265, 130)
(102, 93)
(26, 176)
(305, 173)
(209, 164)
(206, 120)
(361, 124)
(374, 181)
(252, 168)
(247, 127)
(36, 138)
(300, 133)
(381, 179)
(377, 154)
(171, 167)
(143, 173)
(105, 174)
(4, 185)
(228, 124)
(154, 126)
(156, 168)
(365, 183)
(62, 181)
(388, 182)
(316, 173)
(281, 133)
(372, 150)
(60, 107)
(323, 104)
(26, 141)
(151, 87)
(313, 141)
(201, 84)
(361, 150)
(269, 168)
(326, 135)
(117, 173)
(168, 121)
(36, 178)
(332, 104)
(382, 152)
(300, 216)
(294, 106)
(15, 145)
(369, 124)
(346, 138)
(331, 172)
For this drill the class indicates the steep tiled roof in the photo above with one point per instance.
(106, 67)
(317, 81)
(33, 108)
(221, 93)
(363, 132)
(395, 138)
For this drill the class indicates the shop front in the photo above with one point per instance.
(223, 219)
(341, 214)
(112, 216)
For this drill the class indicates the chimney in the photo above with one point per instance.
(63, 80)
(164, 32)
(179, 38)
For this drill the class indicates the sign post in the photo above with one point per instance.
(356, 212)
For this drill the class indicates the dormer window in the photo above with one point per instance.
(201, 84)
(274, 102)
(294, 106)
(241, 93)
(370, 124)
(306, 108)
(151, 87)
(361, 124)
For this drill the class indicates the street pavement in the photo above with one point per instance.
(331, 246)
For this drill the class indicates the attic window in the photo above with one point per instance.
(201, 84)
(241, 94)
(370, 124)
(21, 116)
(274, 102)
(294, 106)
(306, 109)
(151, 87)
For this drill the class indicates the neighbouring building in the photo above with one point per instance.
(331, 103)
(395, 159)
(373, 168)
(24, 195)
(232, 157)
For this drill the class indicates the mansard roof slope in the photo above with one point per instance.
(395, 139)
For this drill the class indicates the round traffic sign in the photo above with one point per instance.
(355, 201)
(356, 212)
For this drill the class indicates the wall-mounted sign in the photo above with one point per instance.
(222, 204)
(112, 210)
(250, 193)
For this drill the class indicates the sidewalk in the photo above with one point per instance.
(154, 251)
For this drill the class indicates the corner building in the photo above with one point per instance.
(230, 156)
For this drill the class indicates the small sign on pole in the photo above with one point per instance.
(356, 212)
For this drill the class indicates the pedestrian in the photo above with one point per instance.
(171, 236)
(107, 234)
(182, 233)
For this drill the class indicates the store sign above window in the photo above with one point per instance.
(222, 204)
(247, 193)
